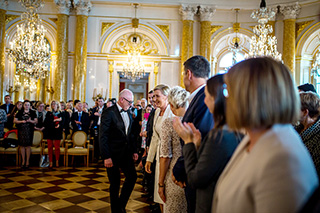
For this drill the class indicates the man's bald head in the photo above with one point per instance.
(125, 99)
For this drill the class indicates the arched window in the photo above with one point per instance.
(226, 61)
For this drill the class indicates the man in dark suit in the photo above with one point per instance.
(8, 107)
(80, 120)
(118, 149)
(196, 73)
(96, 121)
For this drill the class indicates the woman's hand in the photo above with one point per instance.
(147, 167)
(162, 193)
(183, 130)
(57, 119)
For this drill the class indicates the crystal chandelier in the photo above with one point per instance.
(315, 70)
(262, 44)
(134, 69)
(29, 49)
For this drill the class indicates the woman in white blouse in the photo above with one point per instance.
(271, 170)
(162, 112)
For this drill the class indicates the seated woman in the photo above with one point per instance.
(204, 167)
(310, 131)
(170, 150)
(270, 170)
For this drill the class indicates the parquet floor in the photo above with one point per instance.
(64, 189)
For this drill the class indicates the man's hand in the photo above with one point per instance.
(108, 163)
(147, 167)
(179, 183)
(135, 156)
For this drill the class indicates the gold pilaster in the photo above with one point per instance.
(2, 52)
(111, 68)
(61, 72)
(205, 39)
(156, 71)
(80, 65)
(187, 45)
(289, 43)
(290, 13)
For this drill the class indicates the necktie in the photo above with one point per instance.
(79, 119)
(7, 108)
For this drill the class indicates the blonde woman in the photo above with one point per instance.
(54, 124)
(170, 150)
(162, 112)
(271, 170)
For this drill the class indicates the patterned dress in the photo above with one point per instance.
(3, 119)
(170, 147)
(25, 130)
(311, 139)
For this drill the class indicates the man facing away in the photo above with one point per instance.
(118, 149)
(196, 73)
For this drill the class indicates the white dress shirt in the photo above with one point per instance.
(125, 118)
(195, 92)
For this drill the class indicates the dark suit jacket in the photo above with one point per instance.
(9, 122)
(85, 122)
(149, 128)
(198, 114)
(114, 142)
(204, 168)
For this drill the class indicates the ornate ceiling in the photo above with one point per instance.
(220, 4)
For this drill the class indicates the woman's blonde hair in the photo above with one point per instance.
(178, 97)
(165, 89)
(311, 102)
(261, 93)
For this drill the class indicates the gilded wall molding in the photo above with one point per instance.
(10, 18)
(214, 28)
(300, 26)
(165, 29)
(111, 69)
(105, 26)
(125, 44)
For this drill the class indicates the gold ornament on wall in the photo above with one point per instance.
(105, 26)
(10, 18)
(138, 41)
(164, 29)
(300, 26)
(214, 28)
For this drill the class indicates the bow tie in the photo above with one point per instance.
(122, 110)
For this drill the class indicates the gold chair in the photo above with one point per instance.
(80, 146)
(5, 130)
(45, 150)
(11, 150)
(36, 148)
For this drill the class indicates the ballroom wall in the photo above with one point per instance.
(172, 32)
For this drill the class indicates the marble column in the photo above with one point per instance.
(290, 13)
(2, 46)
(80, 60)
(61, 74)
(206, 14)
(187, 12)
(111, 69)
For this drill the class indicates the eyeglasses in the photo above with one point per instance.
(130, 102)
(225, 90)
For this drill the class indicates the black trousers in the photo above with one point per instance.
(119, 202)
(191, 198)
(96, 143)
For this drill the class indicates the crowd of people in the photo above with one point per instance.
(56, 121)
(244, 141)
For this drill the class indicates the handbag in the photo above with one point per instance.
(44, 161)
